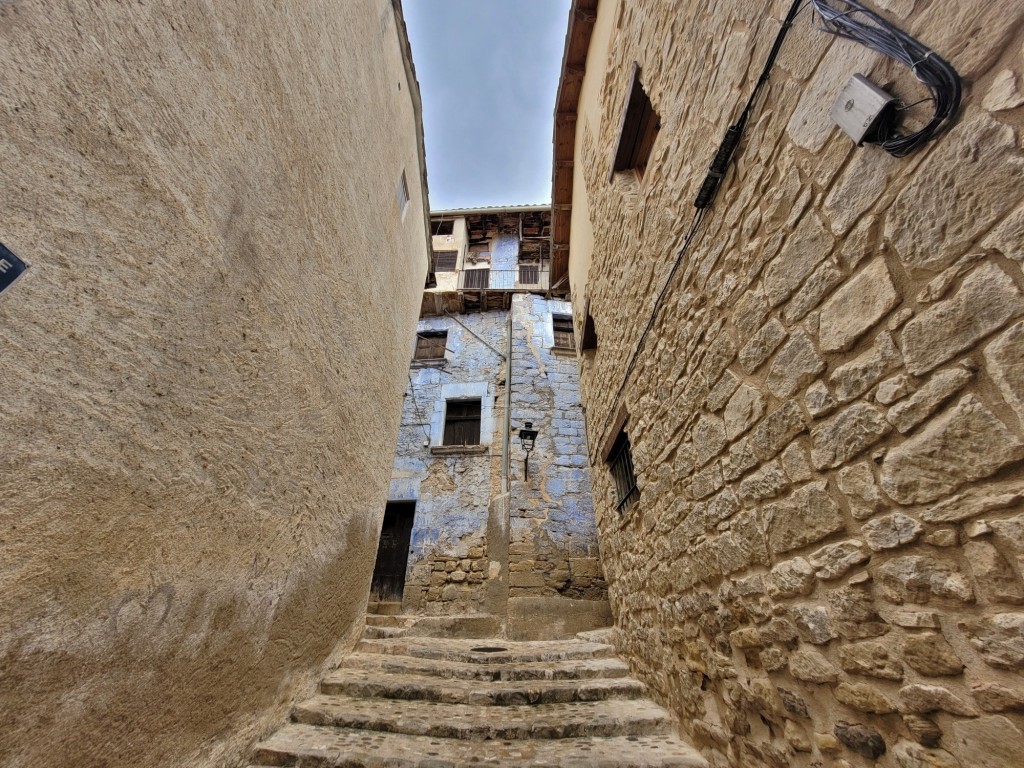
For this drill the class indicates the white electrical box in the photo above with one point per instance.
(861, 107)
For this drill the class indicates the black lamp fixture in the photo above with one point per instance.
(527, 437)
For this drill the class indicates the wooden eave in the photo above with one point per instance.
(582, 16)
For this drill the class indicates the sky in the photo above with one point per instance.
(488, 71)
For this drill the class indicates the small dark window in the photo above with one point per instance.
(640, 124)
(403, 193)
(462, 422)
(529, 274)
(430, 345)
(444, 227)
(444, 261)
(564, 335)
(589, 340)
(620, 461)
(477, 279)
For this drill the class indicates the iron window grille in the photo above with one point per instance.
(462, 422)
(565, 336)
(430, 345)
(444, 261)
(620, 461)
(529, 274)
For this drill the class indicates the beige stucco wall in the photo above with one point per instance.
(202, 371)
(824, 567)
(581, 233)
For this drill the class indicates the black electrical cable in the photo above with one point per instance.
(864, 26)
(708, 190)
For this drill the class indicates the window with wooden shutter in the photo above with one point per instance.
(640, 124)
(430, 345)
(476, 279)
(444, 261)
(620, 462)
(565, 337)
(462, 422)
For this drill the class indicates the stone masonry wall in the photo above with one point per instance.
(824, 565)
(553, 539)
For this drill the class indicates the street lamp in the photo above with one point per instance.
(527, 437)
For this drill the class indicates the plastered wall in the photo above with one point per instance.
(824, 565)
(200, 385)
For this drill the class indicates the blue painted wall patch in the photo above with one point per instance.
(11, 267)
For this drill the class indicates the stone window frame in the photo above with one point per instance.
(454, 416)
(639, 126)
(558, 318)
(463, 391)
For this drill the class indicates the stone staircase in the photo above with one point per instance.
(403, 699)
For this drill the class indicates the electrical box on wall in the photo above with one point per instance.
(862, 109)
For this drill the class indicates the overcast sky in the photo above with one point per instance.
(488, 70)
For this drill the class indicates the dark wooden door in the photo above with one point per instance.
(393, 551)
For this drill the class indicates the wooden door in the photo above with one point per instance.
(393, 551)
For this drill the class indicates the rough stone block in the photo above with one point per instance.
(796, 364)
(822, 280)
(857, 482)
(834, 560)
(847, 434)
(708, 438)
(994, 579)
(911, 755)
(998, 638)
(965, 444)
(856, 377)
(765, 341)
(992, 741)
(987, 298)
(796, 462)
(813, 623)
(818, 399)
(914, 578)
(918, 699)
(930, 654)
(745, 407)
(864, 698)
(861, 739)
(940, 387)
(891, 390)
(807, 247)
(891, 531)
(871, 658)
(766, 483)
(976, 172)
(1004, 362)
(776, 431)
(808, 515)
(790, 578)
(974, 501)
(857, 306)
(993, 697)
(722, 391)
(811, 667)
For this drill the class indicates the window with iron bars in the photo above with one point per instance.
(529, 274)
(565, 336)
(430, 345)
(462, 422)
(620, 461)
(476, 278)
(444, 261)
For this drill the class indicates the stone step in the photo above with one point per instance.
(367, 684)
(583, 669)
(510, 652)
(374, 632)
(316, 747)
(470, 722)
(376, 620)
(384, 608)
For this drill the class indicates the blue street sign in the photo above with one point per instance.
(11, 267)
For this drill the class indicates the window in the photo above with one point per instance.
(477, 279)
(403, 193)
(529, 274)
(444, 261)
(564, 336)
(462, 422)
(430, 345)
(620, 461)
(589, 340)
(444, 227)
(640, 124)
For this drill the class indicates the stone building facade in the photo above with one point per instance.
(821, 564)
(201, 389)
(485, 538)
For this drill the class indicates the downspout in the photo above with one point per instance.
(507, 436)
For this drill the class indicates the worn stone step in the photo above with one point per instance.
(366, 684)
(376, 620)
(582, 669)
(313, 747)
(373, 632)
(465, 721)
(511, 653)
(384, 608)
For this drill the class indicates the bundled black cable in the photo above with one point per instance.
(864, 26)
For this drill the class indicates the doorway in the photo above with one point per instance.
(393, 552)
